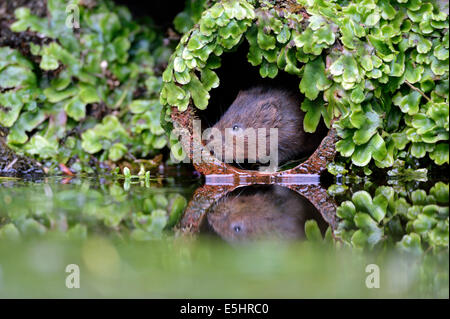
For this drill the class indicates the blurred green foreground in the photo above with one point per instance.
(121, 237)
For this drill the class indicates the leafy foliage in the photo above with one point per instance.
(381, 66)
(107, 207)
(412, 220)
(94, 94)
(192, 12)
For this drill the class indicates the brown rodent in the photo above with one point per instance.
(268, 107)
(264, 212)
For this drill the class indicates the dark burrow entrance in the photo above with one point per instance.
(237, 74)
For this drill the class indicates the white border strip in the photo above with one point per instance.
(288, 179)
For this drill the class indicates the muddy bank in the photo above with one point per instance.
(12, 164)
(21, 40)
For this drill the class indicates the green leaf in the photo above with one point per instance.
(284, 36)
(75, 108)
(313, 111)
(210, 79)
(424, 223)
(49, 63)
(268, 70)
(9, 232)
(198, 92)
(346, 147)
(372, 19)
(314, 79)
(179, 65)
(40, 145)
(312, 231)
(57, 96)
(89, 95)
(365, 222)
(178, 205)
(91, 142)
(265, 41)
(346, 210)
(440, 155)
(367, 124)
(10, 107)
(159, 142)
(376, 148)
(16, 76)
(117, 151)
(411, 243)
(440, 191)
(139, 106)
(408, 103)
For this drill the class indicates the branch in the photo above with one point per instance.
(418, 90)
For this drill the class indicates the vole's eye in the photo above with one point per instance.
(236, 128)
(237, 229)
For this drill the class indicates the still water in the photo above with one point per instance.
(179, 236)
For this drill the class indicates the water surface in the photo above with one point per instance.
(129, 240)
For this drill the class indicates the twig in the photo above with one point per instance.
(7, 168)
(416, 89)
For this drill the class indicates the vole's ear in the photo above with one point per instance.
(269, 105)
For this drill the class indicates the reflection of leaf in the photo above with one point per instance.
(312, 231)
(178, 205)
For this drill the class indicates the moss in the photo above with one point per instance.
(87, 95)
(380, 66)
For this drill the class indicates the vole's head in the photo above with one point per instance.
(269, 213)
(253, 109)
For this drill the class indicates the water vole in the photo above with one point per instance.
(266, 107)
(263, 212)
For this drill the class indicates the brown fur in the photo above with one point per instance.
(265, 107)
(275, 212)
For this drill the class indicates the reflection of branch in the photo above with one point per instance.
(416, 89)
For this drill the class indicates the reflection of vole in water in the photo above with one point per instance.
(272, 212)
(268, 107)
